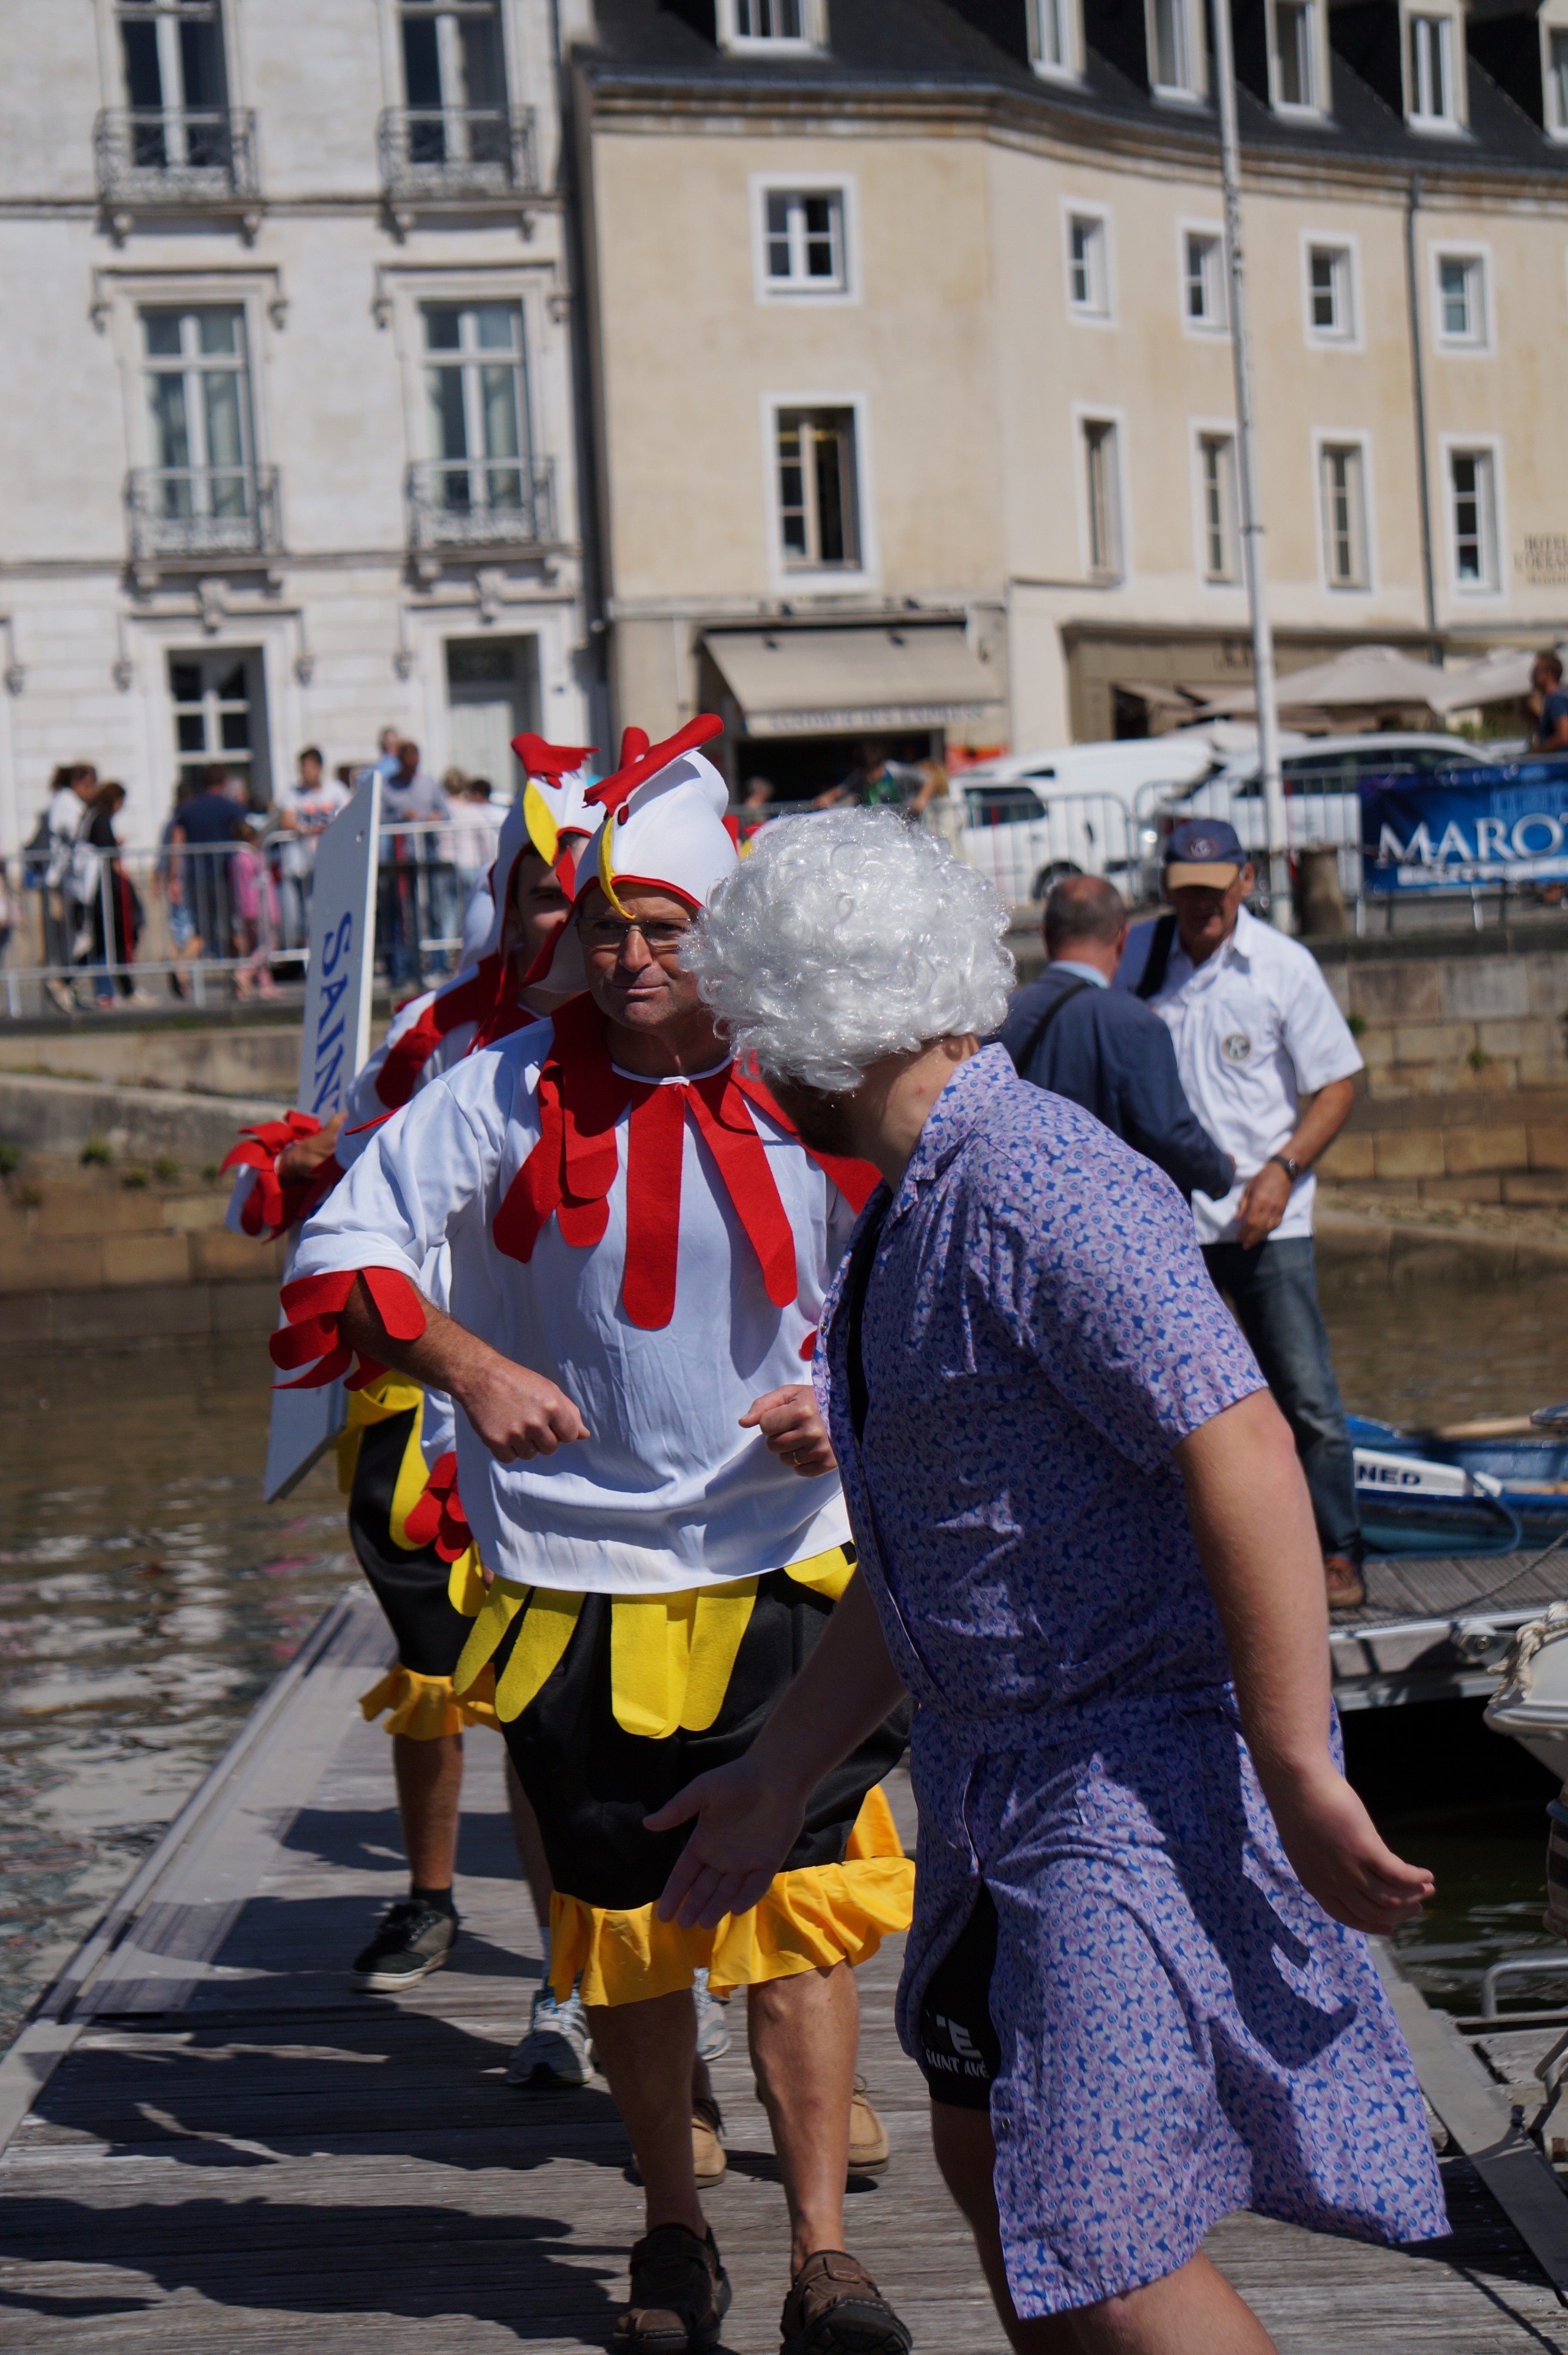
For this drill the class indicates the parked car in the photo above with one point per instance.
(1032, 817)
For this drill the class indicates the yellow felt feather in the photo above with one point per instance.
(542, 826)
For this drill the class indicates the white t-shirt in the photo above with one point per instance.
(1255, 1030)
(313, 808)
(669, 1493)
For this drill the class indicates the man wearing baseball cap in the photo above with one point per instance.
(1256, 1031)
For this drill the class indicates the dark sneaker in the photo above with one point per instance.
(414, 1939)
(834, 2308)
(1343, 1580)
(680, 2295)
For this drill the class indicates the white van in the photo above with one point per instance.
(1029, 818)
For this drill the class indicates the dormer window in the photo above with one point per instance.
(1296, 71)
(772, 28)
(1554, 38)
(1432, 72)
(1055, 50)
(1175, 49)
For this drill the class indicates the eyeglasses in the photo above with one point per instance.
(605, 937)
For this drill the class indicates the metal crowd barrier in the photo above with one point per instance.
(232, 919)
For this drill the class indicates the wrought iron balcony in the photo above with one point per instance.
(481, 502)
(456, 151)
(178, 513)
(179, 155)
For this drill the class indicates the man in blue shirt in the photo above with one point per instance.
(1070, 1032)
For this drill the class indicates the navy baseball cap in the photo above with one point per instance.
(1203, 850)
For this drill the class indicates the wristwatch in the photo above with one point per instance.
(1293, 1169)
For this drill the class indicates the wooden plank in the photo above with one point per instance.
(1480, 2118)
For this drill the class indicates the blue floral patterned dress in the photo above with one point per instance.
(1184, 2032)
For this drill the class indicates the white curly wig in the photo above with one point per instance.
(847, 937)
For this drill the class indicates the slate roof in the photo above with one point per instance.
(926, 46)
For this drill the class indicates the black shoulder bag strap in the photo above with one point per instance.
(1025, 1054)
(861, 1260)
(1159, 949)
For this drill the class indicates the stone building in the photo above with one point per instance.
(914, 405)
(288, 437)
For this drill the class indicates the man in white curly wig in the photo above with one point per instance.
(1136, 1981)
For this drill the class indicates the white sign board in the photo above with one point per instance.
(333, 1047)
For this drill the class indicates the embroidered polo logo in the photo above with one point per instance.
(1236, 1048)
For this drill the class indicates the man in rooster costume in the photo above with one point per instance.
(639, 1249)
(395, 1456)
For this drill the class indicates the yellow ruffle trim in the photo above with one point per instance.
(425, 1707)
(807, 1920)
(671, 1655)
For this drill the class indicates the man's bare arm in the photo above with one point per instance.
(516, 1413)
(749, 1813)
(1267, 1196)
(1253, 1521)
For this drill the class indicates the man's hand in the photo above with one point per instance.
(1264, 1204)
(791, 1424)
(516, 1413)
(304, 1156)
(748, 1821)
(1339, 1857)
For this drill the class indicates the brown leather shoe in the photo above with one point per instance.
(834, 2308)
(708, 2159)
(868, 2135)
(680, 2295)
(1346, 1590)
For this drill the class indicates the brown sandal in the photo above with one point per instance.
(708, 2160)
(680, 2295)
(834, 2308)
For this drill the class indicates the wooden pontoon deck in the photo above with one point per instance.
(215, 2146)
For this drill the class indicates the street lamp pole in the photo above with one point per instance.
(1263, 691)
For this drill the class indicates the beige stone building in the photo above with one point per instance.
(914, 404)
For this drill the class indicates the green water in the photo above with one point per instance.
(147, 1596)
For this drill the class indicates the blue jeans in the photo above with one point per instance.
(1273, 1288)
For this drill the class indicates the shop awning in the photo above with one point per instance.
(837, 682)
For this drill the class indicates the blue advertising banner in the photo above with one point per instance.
(1469, 827)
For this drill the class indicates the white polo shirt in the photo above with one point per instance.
(1255, 1030)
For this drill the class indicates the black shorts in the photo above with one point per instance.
(591, 1782)
(410, 1586)
(960, 2055)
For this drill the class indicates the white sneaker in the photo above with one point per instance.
(557, 2050)
(712, 2021)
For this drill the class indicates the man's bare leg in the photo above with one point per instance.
(647, 2052)
(1193, 2311)
(804, 2033)
(429, 1789)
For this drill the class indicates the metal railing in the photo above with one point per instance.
(90, 925)
(176, 511)
(481, 502)
(175, 156)
(456, 151)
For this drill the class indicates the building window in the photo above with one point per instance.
(219, 715)
(805, 241)
(1088, 265)
(1556, 80)
(1295, 54)
(477, 407)
(1221, 541)
(1171, 60)
(175, 84)
(198, 414)
(1052, 43)
(1432, 69)
(772, 24)
(818, 489)
(1330, 294)
(1101, 499)
(1462, 300)
(455, 79)
(1473, 500)
(1344, 514)
(1203, 253)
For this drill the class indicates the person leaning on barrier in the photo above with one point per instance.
(1070, 1032)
